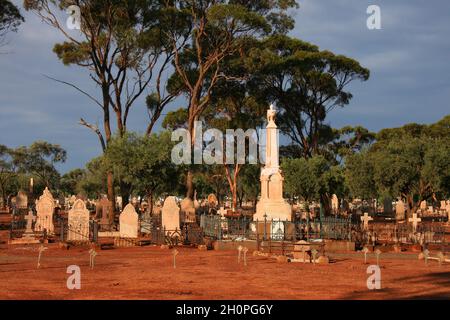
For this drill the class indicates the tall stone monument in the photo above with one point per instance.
(271, 204)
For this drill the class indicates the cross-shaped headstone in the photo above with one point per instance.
(222, 211)
(365, 219)
(30, 218)
(414, 221)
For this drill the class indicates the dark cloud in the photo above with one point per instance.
(408, 60)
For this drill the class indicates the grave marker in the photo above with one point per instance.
(45, 207)
(129, 222)
(78, 222)
(365, 219)
(414, 221)
(170, 215)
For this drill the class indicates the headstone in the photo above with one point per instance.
(188, 209)
(423, 205)
(29, 218)
(414, 221)
(222, 211)
(365, 219)
(72, 200)
(22, 200)
(277, 232)
(387, 205)
(45, 207)
(448, 210)
(119, 202)
(212, 200)
(334, 203)
(134, 201)
(170, 215)
(78, 222)
(106, 211)
(129, 222)
(400, 210)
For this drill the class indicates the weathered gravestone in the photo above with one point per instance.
(212, 200)
(78, 222)
(414, 220)
(423, 205)
(335, 204)
(400, 210)
(104, 205)
(170, 215)
(45, 207)
(22, 200)
(129, 222)
(188, 209)
(387, 205)
(365, 220)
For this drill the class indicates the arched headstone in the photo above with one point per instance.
(45, 207)
(78, 222)
(129, 222)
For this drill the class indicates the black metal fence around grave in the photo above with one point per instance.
(220, 228)
(66, 232)
(189, 233)
(405, 233)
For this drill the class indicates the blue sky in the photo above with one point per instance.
(408, 59)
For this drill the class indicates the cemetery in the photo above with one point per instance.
(240, 243)
(245, 192)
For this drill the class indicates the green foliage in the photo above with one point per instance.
(143, 162)
(306, 83)
(10, 17)
(359, 175)
(39, 160)
(412, 162)
(70, 182)
(305, 178)
(93, 182)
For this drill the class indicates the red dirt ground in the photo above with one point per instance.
(148, 273)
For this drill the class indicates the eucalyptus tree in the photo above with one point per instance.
(122, 47)
(204, 34)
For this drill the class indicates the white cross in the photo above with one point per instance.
(222, 211)
(365, 219)
(414, 221)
